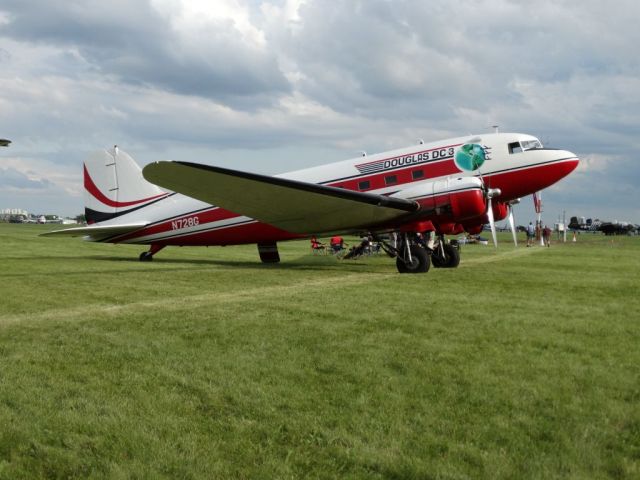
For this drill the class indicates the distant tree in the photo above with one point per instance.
(80, 218)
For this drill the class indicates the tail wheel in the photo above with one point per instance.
(450, 259)
(146, 256)
(153, 249)
(419, 263)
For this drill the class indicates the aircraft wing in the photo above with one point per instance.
(294, 206)
(95, 233)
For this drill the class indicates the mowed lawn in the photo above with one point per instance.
(521, 363)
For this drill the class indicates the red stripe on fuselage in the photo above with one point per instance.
(91, 187)
(408, 154)
(403, 176)
(252, 232)
(215, 214)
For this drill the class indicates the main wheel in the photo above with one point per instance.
(451, 257)
(420, 262)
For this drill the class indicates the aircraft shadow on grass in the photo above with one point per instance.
(300, 263)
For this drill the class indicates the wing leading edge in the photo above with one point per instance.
(294, 206)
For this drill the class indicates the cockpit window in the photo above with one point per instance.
(517, 147)
(530, 144)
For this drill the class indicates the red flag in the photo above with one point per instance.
(537, 202)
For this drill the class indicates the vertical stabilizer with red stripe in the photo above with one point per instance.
(113, 186)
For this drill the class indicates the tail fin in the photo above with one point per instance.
(113, 186)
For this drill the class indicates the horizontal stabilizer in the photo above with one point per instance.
(291, 205)
(96, 233)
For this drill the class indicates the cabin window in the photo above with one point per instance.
(390, 180)
(515, 147)
(417, 174)
(364, 185)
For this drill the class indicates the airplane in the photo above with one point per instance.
(606, 227)
(400, 198)
(617, 228)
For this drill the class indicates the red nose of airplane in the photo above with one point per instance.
(541, 169)
(575, 158)
(559, 164)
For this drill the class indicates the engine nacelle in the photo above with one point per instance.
(453, 200)
(500, 211)
(449, 228)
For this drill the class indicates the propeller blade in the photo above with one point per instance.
(492, 223)
(490, 193)
(512, 224)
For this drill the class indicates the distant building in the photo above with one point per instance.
(14, 211)
(7, 213)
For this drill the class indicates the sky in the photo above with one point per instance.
(272, 86)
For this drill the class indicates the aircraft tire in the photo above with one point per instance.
(146, 257)
(420, 261)
(451, 257)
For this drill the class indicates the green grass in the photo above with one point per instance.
(521, 363)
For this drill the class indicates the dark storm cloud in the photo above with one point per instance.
(133, 42)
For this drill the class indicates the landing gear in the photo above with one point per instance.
(145, 257)
(148, 256)
(414, 259)
(410, 255)
(445, 255)
(268, 252)
(415, 253)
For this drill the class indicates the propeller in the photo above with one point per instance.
(512, 222)
(471, 157)
(492, 192)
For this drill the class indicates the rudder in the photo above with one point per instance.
(114, 185)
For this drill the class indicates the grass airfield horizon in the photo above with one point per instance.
(205, 363)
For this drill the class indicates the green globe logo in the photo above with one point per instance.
(470, 157)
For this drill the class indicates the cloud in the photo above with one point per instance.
(13, 179)
(283, 84)
(141, 46)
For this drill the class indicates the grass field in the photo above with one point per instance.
(521, 363)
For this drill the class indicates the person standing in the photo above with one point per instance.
(546, 236)
(531, 234)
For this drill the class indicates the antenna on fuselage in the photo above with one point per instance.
(420, 141)
(495, 128)
(363, 153)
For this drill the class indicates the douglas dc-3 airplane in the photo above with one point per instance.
(441, 188)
